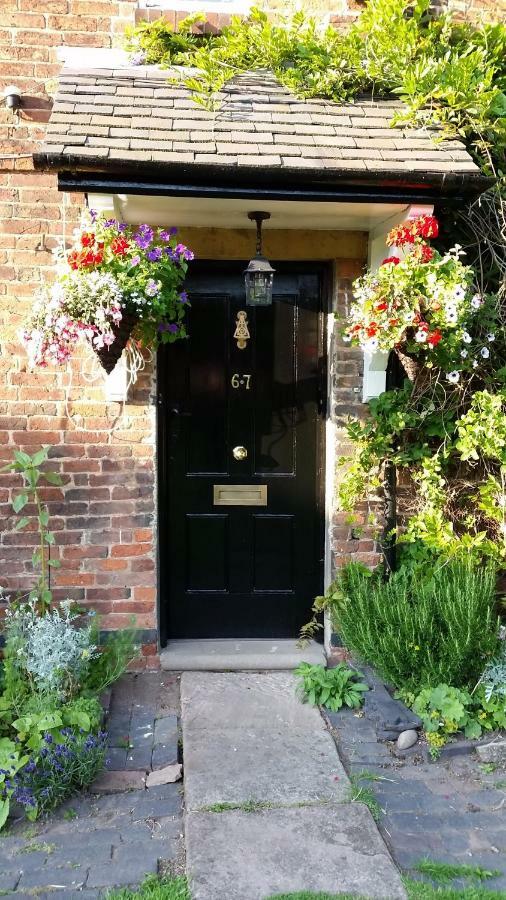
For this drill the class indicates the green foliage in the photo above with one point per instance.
(417, 890)
(32, 473)
(154, 888)
(446, 710)
(333, 688)
(118, 651)
(422, 632)
(448, 74)
(361, 792)
(447, 872)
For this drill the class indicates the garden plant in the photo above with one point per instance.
(52, 675)
(117, 281)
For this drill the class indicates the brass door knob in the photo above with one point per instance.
(240, 453)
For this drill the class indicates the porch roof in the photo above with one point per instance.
(134, 120)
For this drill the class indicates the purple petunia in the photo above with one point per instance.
(183, 297)
(110, 223)
(166, 235)
(122, 226)
(93, 215)
(155, 254)
(168, 326)
(134, 262)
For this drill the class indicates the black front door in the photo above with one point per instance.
(240, 413)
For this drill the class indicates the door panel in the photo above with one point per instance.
(242, 570)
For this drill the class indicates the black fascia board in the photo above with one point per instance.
(271, 184)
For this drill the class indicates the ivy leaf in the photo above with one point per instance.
(22, 458)
(44, 517)
(54, 563)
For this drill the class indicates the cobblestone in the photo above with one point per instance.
(448, 810)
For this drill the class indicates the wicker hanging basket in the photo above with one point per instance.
(109, 356)
(411, 366)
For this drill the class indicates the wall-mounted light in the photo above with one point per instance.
(12, 97)
(259, 275)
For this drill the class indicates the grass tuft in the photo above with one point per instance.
(417, 890)
(154, 888)
(447, 872)
(361, 793)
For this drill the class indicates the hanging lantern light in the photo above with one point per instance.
(259, 274)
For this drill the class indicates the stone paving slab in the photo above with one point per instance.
(251, 855)
(261, 764)
(241, 699)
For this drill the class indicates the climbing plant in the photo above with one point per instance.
(448, 74)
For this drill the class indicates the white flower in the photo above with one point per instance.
(347, 338)
(420, 336)
(459, 292)
(463, 353)
(372, 345)
(466, 337)
(476, 301)
(490, 337)
(485, 352)
(453, 377)
(475, 363)
(451, 315)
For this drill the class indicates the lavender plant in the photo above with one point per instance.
(57, 771)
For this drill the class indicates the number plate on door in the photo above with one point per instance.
(240, 494)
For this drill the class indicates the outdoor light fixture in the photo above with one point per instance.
(258, 277)
(12, 97)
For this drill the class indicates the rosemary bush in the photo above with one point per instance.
(421, 633)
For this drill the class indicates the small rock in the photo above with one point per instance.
(407, 739)
(494, 752)
(164, 776)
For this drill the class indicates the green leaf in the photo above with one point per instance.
(20, 500)
(44, 517)
(22, 458)
(54, 563)
(53, 478)
(21, 523)
(39, 457)
(4, 811)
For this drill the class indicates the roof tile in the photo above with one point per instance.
(136, 115)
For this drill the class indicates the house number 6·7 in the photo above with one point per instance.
(238, 381)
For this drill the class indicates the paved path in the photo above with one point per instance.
(267, 798)
(450, 810)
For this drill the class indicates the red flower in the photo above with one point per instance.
(87, 239)
(434, 338)
(371, 329)
(119, 246)
(428, 226)
(393, 322)
(424, 253)
(391, 259)
(381, 307)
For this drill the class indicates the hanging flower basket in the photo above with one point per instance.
(422, 306)
(117, 282)
(109, 355)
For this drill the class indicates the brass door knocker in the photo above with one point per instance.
(241, 332)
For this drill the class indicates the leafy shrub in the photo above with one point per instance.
(494, 676)
(421, 633)
(445, 710)
(333, 688)
(52, 650)
(58, 770)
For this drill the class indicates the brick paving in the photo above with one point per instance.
(449, 810)
(97, 841)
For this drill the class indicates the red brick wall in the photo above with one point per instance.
(103, 516)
